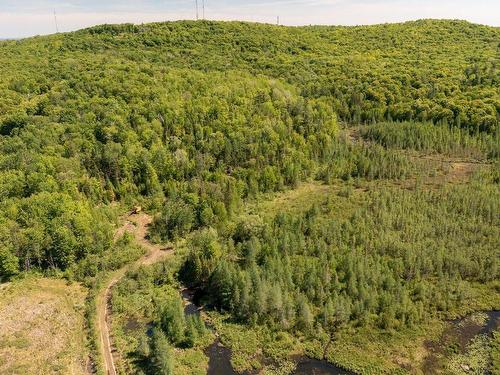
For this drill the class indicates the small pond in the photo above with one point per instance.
(219, 360)
(310, 366)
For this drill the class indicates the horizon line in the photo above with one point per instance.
(246, 21)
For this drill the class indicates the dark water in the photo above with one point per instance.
(493, 322)
(458, 335)
(465, 329)
(219, 357)
(219, 363)
(309, 366)
(219, 360)
(189, 307)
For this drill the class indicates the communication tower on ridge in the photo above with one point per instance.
(55, 21)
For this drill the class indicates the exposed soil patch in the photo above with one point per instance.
(42, 328)
(450, 170)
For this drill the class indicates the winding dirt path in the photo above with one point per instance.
(135, 224)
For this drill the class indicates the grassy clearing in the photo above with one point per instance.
(42, 327)
(432, 169)
(350, 195)
(433, 172)
(293, 200)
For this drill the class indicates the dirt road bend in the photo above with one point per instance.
(137, 225)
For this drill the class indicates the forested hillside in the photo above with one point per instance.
(423, 70)
(195, 121)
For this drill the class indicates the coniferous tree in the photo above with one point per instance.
(161, 354)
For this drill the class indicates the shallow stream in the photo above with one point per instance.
(219, 356)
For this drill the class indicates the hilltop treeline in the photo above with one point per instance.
(439, 71)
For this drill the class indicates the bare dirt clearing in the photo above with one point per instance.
(42, 328)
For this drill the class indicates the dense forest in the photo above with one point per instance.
(121, 112)
(378, 265)
(425, 70)
(195, 120)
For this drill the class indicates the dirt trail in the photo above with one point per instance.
(135, 224)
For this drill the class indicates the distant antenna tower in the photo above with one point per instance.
(55, 20)
(277, 20)
(203, 4)
(197, 10)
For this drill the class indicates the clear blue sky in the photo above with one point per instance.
(19, 18)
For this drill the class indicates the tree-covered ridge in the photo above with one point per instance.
(104, 126)
(205, 114)
(124, 134)
(425, 70)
